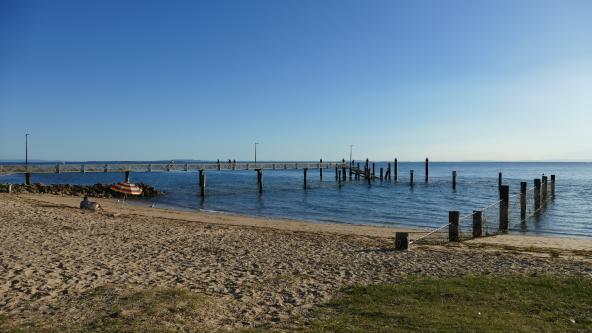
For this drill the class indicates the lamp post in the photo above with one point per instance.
(27, 150)
(256, 143)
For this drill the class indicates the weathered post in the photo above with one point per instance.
(477, 223)
(454, 180)
(305, 178)
(537, 195)
(504, 191)
(351, 164)
(544, 190)
(427, 169)
(260, 180)
(336, 172)
(388, 171)
(396, 166)
(368, 176)
(218, 164)
(358, 172)
(202, 183)
(127, 175)
(381, 174)
(339, 177)
(552, 186)
(373, 169)
(321, 169)
(499, 179)
(523, 201)
(343, 169)
(28, 178)
(401, 241)
(453, 234)
(410, 177)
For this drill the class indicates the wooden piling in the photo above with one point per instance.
(388, 171)
(544, 190)
(127, 175)
(401, 241)
(410, 177)
(358, 173)
(202, 183)
(321, 169)
(373, 170)
(28, 178)
(305, 178)
(339, 177)
(396, 166)
(368, 176)
(499, 179)
(350, 169)
(381, 174)
(477, 223)
(260, 180)
(453, 232)
(218, 164)
(523, 201)
(537, 195)
(454, 180)
(504, 192)
(552, 186)
(427, 169)
(336, 173)
(343, 169)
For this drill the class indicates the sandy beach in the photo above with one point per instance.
(253, 271)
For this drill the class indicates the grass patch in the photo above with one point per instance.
(465, 304)
(107, 309)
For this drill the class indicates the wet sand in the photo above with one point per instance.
(258, 271)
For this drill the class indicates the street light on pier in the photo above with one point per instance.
(27, 150)
(256, 143)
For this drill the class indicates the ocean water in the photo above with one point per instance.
(425, 205)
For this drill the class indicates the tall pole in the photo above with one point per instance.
(27, 150)
(256, 143)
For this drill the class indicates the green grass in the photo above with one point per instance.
(463, 304)
(107, 310)
(418, 304)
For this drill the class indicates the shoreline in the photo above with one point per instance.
(513, 240)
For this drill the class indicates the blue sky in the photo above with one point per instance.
(452, 80)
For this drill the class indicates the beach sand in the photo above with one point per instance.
(253, 271)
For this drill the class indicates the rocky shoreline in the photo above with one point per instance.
(96, 190)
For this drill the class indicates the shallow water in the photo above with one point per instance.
(424, 205)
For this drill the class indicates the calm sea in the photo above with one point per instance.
(425, 205)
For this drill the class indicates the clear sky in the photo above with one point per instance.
(452, 80)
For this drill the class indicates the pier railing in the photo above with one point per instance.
(164, 167)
